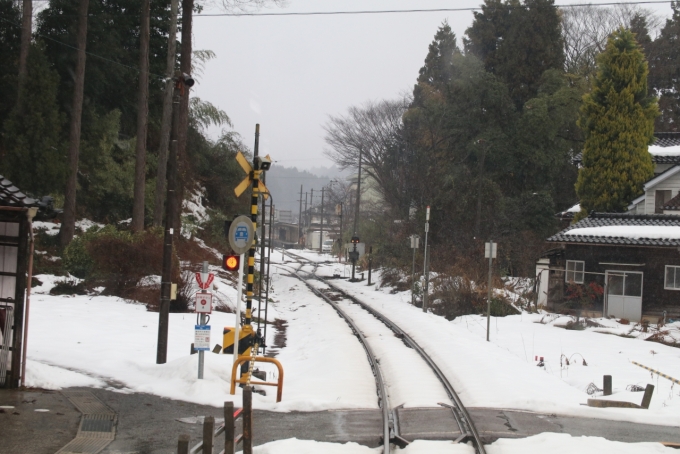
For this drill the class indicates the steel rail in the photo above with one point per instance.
(381, 389)
(460, 413)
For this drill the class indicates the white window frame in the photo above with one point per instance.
(677, 278)
(574, 273)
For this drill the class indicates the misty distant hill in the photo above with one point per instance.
(284, 184)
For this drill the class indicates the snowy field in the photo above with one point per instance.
(106, 342)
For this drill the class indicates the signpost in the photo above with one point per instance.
(203, 306)
(241, 234)
(415, 243)
(490, 253)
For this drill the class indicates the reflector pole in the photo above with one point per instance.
(237, 325)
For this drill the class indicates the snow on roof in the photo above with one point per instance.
(628, 231)
(575, 209)
(656, 150)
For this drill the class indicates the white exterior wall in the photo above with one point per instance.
(542, 276)
(638, 209)
(671, 183)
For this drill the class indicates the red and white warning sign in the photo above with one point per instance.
(203, 303)
(204, 279)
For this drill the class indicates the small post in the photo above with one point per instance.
(229, 428)
(490, 252)
(426, 267)
(370, 262)
(414, 245)
(607, 385)
(647, 398)
(247, 420)
(183, 444)
(208, 434)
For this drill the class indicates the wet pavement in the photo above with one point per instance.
(149, 424)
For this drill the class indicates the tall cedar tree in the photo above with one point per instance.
(142, 120)
(10, 37)
(517, 42)
(618, 122)
(68, 226)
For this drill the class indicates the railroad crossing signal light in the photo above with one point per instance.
(230, 262)
(355, 240)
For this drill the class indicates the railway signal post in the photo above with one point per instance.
(244, 342)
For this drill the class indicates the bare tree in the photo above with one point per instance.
(159, 197)
(68, 225)
(587, 28)
(142, 120)
(375, 130)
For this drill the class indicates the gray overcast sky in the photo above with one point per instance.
(289, 73)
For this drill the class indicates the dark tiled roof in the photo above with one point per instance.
(662, 139)
(10, 195)
(622, 219)
(673, 204)
(667, 139)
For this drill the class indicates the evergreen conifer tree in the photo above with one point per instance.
(617, 118)
(34, 153)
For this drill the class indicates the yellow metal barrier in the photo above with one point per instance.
(245, 379)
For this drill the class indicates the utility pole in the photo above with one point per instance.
(321, 234)
(170, 214)
(426, 267)
(300, 217)
(356, 218)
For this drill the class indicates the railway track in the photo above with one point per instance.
(391, 430)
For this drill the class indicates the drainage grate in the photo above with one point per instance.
(97, 425)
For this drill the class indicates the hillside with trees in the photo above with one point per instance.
(488, 136)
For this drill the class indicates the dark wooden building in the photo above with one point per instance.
(635, 258)
(16, 213)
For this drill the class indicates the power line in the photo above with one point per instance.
(86, 52)
(410, 11)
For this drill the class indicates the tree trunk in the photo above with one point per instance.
(68, 225)
(26, 28)
(142, 120)
(166, 122)
(185, 68)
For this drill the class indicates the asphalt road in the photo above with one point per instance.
(150, 425)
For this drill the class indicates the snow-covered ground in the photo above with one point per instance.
(106, 342)
(544, 443)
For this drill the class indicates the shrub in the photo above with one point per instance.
(115, 259)
(68, 287)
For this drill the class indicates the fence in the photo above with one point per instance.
(228, 428)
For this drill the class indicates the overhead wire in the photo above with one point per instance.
(323, 13)
(420, 10)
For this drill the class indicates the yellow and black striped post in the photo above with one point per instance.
(253, 216)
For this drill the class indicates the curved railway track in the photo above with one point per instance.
(390, 419)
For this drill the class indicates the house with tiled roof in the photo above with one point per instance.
(633, 256)
(16, 213)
